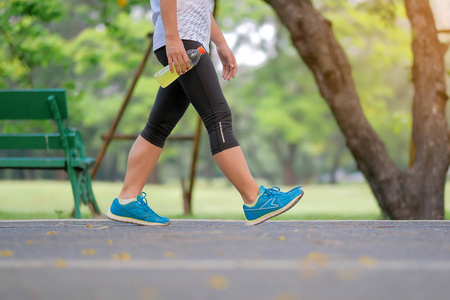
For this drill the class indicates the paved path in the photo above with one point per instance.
(101, 259)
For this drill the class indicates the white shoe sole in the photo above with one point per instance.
(113, 217)
(276, 213)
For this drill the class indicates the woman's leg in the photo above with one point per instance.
(170, 105)
(233, 164)
(202, 88)
(141, 162)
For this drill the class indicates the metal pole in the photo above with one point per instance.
(187, 195)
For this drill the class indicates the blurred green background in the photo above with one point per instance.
(93, 48)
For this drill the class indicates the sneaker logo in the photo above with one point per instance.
(268, 205)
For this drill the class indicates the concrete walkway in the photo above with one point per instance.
(201, 259)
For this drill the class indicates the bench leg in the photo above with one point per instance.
(85, 184)
(76, 192)
(82, 192)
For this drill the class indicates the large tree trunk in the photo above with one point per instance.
(430, 129)
(417, 193)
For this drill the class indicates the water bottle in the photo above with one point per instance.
(165, 77)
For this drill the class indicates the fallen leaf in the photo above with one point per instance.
(314, 259)
(317, 256)
(282, 238)
(88, 252)
(110, 242)
(218, 283)
(6, 253)
(52, 232)
(103, 227)
(122, 256)
(29, 242)
(88, 225)
(169, 254)
(61, 264)
(367, 261)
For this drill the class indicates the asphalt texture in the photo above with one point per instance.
(201, 259)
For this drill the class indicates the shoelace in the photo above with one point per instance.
(143, 202)
(273, 190)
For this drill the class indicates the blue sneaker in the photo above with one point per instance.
(270, 203)
(136, 212)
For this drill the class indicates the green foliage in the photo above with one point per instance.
(93, 48)
(381, 58)
(26, 43)
(43, 10)
(232, 13)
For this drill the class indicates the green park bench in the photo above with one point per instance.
(47, 104)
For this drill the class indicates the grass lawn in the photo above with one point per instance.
(211, 200)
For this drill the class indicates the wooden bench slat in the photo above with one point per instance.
(31, 104)
(43, 162)
(33, 162)
(35, 141)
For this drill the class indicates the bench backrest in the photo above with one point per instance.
(31, 104)
(43, 141)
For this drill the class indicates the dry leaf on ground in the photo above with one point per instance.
(61, 264)
(6, 253)
(122, 256)
(218, 283)
(88, 252)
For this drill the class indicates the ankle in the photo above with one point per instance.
(128, 195)
(251, 198)
(126, 200)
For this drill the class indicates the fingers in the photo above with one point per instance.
(177, 57)
(179, 64)
(229, 69)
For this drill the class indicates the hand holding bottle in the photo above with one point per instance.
(165, 75)
(177, 58)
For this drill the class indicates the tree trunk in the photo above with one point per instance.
(417, 193)
(336, 158)
(155, 177)
(430, 128)
(287, 160)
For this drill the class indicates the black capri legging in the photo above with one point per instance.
(200, 86)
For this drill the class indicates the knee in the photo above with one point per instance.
(156, 133)
(223, 121)
(221, 134)
(220, 116)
